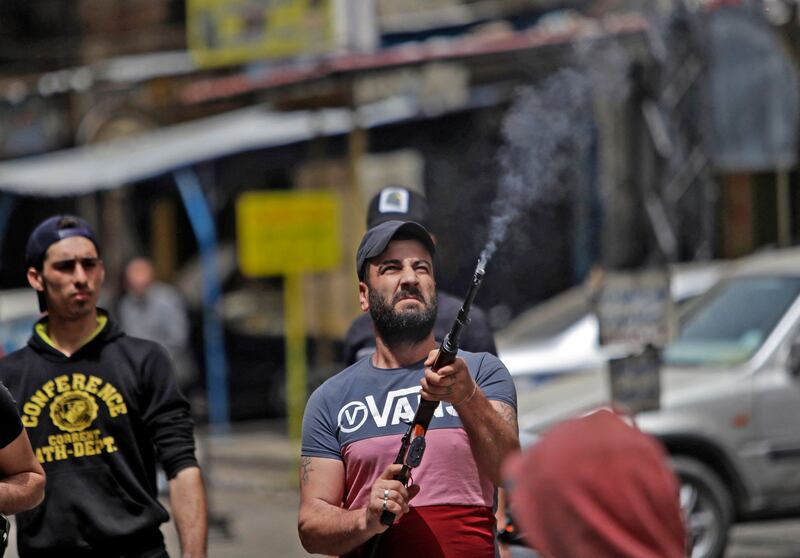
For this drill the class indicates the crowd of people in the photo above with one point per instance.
(91, 406)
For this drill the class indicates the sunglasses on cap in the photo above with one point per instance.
(68, 266)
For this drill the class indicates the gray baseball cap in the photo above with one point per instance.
(396, 203)
(378, 237)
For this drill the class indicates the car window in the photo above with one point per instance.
(733, 321)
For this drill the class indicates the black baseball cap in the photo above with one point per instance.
(377, 239)
(49, 232)
(397, 203)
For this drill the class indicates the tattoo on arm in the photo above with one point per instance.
(305, 469)
(509, 415)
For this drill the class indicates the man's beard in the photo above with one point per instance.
(404, 327)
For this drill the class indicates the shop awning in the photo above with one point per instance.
(115, 163)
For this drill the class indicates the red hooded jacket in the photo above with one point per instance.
(596, 487)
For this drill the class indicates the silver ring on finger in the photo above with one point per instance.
(384, 504)
(385, 493)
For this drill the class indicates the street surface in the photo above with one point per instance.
(253, 488)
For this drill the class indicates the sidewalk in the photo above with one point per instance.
(251, 477)
(254, 455)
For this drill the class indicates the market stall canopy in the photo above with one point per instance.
(118, 162)
(111, 164)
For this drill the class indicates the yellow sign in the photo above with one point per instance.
(223, 32)
(287, 232)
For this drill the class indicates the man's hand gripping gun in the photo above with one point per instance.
(412, 445)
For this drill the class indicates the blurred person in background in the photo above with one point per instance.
(100, 408)
(597, 487)
(395, 203)
(354, 422)
(154, 310)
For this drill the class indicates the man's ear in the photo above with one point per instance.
(363, 296)
(35, 279)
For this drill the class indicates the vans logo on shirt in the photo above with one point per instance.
(397, 408)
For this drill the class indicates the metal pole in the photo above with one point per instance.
(200, 217)
(784, 208)
(296, 366)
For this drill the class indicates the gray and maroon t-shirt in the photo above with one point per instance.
(358, 418)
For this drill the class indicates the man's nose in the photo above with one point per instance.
(409, 276)
(80, 275)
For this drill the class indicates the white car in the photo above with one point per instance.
(730, 399)
(562, 334)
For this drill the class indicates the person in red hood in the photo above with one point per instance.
(596, 487)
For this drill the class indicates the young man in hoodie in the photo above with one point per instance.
(100, 409)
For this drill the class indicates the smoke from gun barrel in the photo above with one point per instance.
(481, 268)
(547, 133)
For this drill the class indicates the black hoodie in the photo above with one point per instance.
(97, 421)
